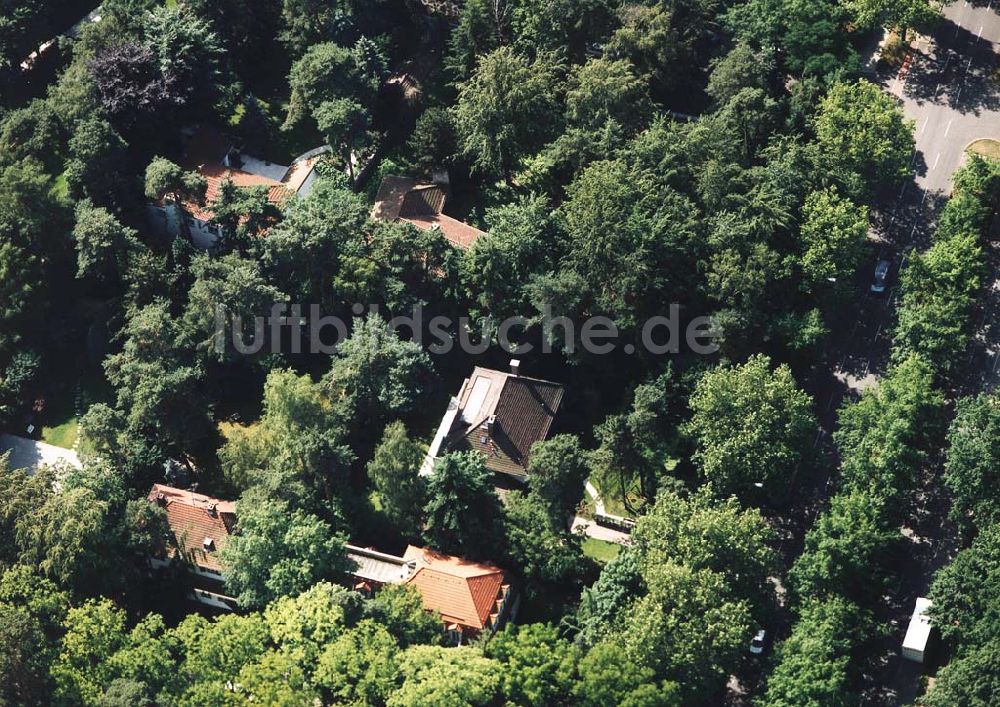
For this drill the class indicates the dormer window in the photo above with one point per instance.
(208, 544)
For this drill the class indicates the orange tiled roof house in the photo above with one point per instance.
(200, 526)
(472, 598)
(212, 155)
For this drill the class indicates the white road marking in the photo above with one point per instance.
(948, 129)
(936, 160)
(903, 190)
(969, 65)
(979, 35)
(926, 120)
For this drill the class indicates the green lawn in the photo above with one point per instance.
(601, 550)
(613, 501)
(62, 435)
(616, 505)
(59, 421)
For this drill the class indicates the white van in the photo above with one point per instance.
(918, 633)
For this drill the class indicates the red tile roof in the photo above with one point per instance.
(463, 592)
(193, 518)
(403, 199)
(215, 174)
(459, 234)
(204, 153)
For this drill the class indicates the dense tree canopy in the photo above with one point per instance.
(974, 462)
(861, 130)
(631, 160)
(279, 552)
(812, 665)
(462, 509)
(508, 106)
(752, 426)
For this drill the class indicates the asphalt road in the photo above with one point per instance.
(950, 94)
(948, 91)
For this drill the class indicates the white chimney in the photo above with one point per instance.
(515, 366)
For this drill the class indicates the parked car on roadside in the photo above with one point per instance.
(881, 276)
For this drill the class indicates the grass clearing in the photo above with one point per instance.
(614, 503)
(227, 428)
(60, 421)
(62, 435)
(601, 550)
(986, 147)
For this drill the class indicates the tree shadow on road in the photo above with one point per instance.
(959, 74)
(905, 219)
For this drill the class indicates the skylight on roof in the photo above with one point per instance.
(476, 398)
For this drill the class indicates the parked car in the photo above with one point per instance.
(881, 275)
(758, 641)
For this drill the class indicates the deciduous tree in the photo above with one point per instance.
(862, 130)
(973, 464)
(279, 552)
(359, 667)
(812, 665)
(507, 107)
(376, 373)
(394, 472)
(539, 665)
(845, 549)
(463, 509)
(103, 243)
(400, 608)
(446, 676)
(834, 232)
(752, 425)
